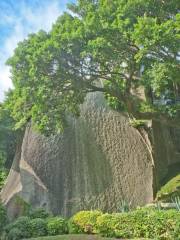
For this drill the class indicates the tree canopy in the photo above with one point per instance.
(129, 46)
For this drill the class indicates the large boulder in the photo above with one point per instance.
(166, 149)
(96, 163)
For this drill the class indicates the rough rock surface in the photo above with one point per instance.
(166, 144)
(98, 161)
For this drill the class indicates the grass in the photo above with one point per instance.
(72, 237)
(170, 189)
(76, 237)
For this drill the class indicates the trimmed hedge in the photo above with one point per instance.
(25, 227)
(84, 222)
(57, 226)
(19, 229)
(38, 227)
(142, 223)
(14, 234)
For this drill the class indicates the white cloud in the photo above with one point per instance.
(29, 20)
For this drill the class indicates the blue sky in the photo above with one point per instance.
(18, 18)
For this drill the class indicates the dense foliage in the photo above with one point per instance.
(57, 226)
(3, 218)
(84, 222)
(25, 227)
(129, 50)
(7, 136)
(148, 223)
(38, 227)
(142, 223)
(38, 213)
(8, 139)
(19, 229)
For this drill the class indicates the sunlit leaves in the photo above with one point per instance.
(124, 44)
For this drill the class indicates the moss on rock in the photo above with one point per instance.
(170, 190)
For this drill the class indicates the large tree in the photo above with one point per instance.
(128, 46)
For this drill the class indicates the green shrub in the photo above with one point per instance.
(162, 224)
(137, 123)
(56, 226)
(22, 225)
(145, 223)
(84, 222)
(3, 218)
(15, 234)
(106, 224)
(38, 213)
(38, 227)
(3, 176)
